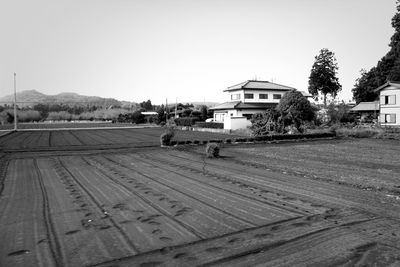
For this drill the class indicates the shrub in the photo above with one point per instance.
(186, 121)
(265, 123)
(359, 132)
(212, 150)
(295, 109)
(166, 137)
(212, 125)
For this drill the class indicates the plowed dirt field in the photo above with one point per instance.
(115, 198)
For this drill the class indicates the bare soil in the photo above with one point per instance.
(115, 198)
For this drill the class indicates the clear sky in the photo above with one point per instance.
(186, 49)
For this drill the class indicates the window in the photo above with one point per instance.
(263, 96)
(248, 116)
(277, 96)
(389, 118)
(248, 96)
(235, 96)
(388, 100)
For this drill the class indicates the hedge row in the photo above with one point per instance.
(258, 138)
(186, 121)
(212, 125)
(291, 136)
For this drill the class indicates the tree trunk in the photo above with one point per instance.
(324, 100)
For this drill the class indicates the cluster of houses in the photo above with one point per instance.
(252, 96)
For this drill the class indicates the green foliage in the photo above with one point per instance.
(366, 132)
(146, 105)
(186, 112)
(204, 112)
(59, 116)
(166, 137)
(291, 114)
(161, 115)
(212, 150)
(6, 116)
(265, 123)
(295, 109)
(212, 125)
(387, 69)
(135, 117)
(323, 78)
(186, 121)
(195, 113)
(340, 114)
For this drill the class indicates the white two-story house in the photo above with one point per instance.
(389, 104)
(248, 98)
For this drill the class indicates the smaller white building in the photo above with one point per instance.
(389, 104)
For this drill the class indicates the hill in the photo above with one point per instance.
(29, 98)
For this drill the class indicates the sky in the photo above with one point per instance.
(184, 50)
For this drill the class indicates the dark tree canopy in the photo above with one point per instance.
(146, 105)
(323, 78)
(387, 69)
(295, 109)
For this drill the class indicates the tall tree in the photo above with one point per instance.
(387, 69)
(146, 105)
(323, 78)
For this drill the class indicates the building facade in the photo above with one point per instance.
(389, 104)
(248, 98)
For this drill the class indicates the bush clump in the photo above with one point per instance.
(211, 125)
(212, 150)
(166, 137)
(359, 132)
(186, 121)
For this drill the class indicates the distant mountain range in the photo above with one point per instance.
(29, 98)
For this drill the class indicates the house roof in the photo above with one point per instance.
(241, 105)
(258, 85)
(226, 105)
(366, 106)
(389, 83)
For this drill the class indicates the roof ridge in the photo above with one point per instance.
(237, 84)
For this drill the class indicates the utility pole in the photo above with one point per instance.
(15, 102)
(176, 107)
(166, 110)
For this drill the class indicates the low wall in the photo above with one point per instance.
(235, 123)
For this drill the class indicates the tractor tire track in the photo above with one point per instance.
(182, 192)
(288, 207)
(76, 137)
(148, 202)
(98, 205)
(55, 246)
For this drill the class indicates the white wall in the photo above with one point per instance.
(234, 123)
(390, 108)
